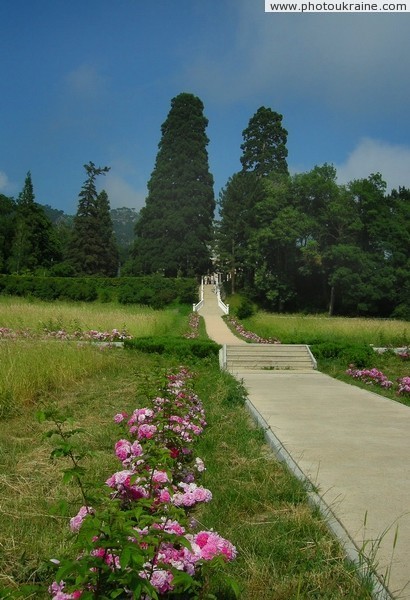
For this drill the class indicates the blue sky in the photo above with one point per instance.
(92, 80)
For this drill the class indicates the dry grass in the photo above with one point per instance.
(33, 520)
(31, 369)
(20, 313)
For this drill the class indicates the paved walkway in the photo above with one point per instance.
(354, 445)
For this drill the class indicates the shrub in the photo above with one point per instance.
(245, 309)
(187, 291)
(402, 312)
(181, 347)
(63, 269)
(155, 291)
(358, 354)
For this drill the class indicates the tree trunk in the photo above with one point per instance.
(332, 300)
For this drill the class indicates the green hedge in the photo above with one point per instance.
(154, 291)
(357, 354)
(181, 347)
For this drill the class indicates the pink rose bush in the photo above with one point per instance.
(142, 542)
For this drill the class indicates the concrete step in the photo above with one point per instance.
(267, 357)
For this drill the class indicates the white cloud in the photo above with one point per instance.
(85, 82)
(6, 186)
(4, 181)
(121, 193)
(376, 156)
(349, 62)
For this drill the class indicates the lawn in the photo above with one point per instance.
(285, 550)
(309, 329)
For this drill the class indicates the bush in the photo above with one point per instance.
(402, 312)
(187, 291)
(45, 289)
(181, 347)
(80, 290)
(155, 291)
(245, 310)
(62, 269)
(358, 354)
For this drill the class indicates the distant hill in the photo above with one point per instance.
(123, 220)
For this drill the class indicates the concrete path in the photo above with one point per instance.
(354, 445)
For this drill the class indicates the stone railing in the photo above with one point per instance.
(199, 305)
(221, 304)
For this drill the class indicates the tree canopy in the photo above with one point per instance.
(34, 243)
(174, 231)
(264, 146)
(92, 247)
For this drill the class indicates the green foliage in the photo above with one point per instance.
(34, 243)
(92, 247)
(157, 291)
(154, 291)
(357, 354)
(307, 243)
(175, 226)
(180, 347)
(264, 147)
(49, 288)
(246, 309)
(7, 224)
(237, 202)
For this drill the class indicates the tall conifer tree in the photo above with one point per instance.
(92, 248)
(175, 228)
(34, 243)
(264, 146)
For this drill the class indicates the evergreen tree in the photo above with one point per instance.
(34, 243)
(92, 249)
(264, 147)
(174, 231)
(109, 256)
(7, 225)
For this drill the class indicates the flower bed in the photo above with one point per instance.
(249, 335)
(92, 335)
(193, 324)
(141, 542)
(376, 377)
(404, 386)
(370, 377)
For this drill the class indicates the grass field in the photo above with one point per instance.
(20, 313)
(32, 368)
(285, 551)
(308, 329)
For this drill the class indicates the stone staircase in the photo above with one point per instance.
(269, 357)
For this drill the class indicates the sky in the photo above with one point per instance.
(92, 80)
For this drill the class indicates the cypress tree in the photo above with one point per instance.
(264, 147)
(175, 227)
